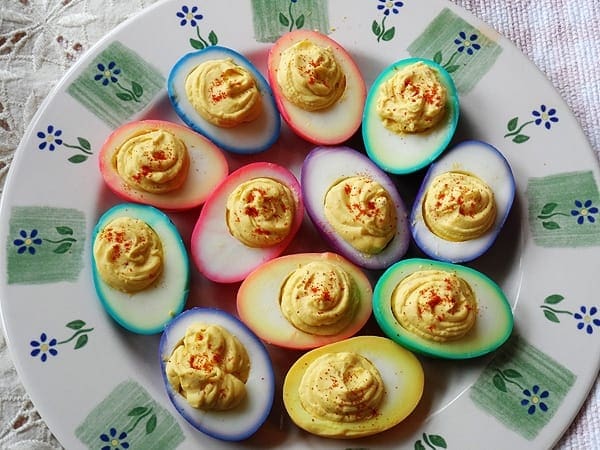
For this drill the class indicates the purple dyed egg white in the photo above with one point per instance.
(325, 166)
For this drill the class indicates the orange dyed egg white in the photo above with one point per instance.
(162, 164)
(305, 300)
(377, 383)
(318, 88)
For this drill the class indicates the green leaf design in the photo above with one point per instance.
(283, 20)
(63, 248)
(437, 58)
(419, 445)
(520, 138)
(550, 225)
(438, 441)
(81, 341)
(548, 208)
(554, 299)
(212, 38)
(499, 383)
(512, 124)
(511, 373)
(376, 28)
(76, 324)
(84, 143)
(76, 159)
(389, 34)
(452, 68)
(151, 424)
(137, 89)
(64, 230)
(138, 411)
(300, 21)
(195, 43)
(551, 316)
(125, 96)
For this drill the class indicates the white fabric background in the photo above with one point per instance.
(41, 39)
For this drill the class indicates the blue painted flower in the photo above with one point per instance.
(107, 73)
(388, 6)
(114, 440)
(534, 399)
(27, 242)
(50, 138)
(585, 319)
(44, 347)
(545, 115)
(189, 15)
(467, 44)
(585, 210)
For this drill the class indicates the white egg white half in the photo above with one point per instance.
(325, 166)
(245, 419)
(488, 164)
(493, 325)
(149, 310)
(251, 137)
(408, 152)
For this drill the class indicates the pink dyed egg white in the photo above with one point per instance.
(325, 166)
(208, 167)
(332, 125)
(220, 256)
(258, 301)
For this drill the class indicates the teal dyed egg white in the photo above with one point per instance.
(402, 153)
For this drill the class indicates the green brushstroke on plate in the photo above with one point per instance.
(117, 84)
(44, 245)
(273, 18)
(129, 415)
(463, 50)
(564, 210)
(522, 387)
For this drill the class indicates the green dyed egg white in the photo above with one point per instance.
(493, 325)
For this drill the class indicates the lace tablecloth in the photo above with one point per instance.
(41, 39)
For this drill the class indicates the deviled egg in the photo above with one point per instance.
(250, 218)
(410, 115)
(140, 267)
(318, 87)
(355, 206)
(463, 202)
(217, 373)
(441, 309)
(305, 300)
(162, 164)
(219, 93)
(353, 388)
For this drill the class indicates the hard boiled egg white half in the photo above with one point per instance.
(489, 165)
(493, 324)
(259, 301)
(149, 310)
(246, 138)
(245, 419)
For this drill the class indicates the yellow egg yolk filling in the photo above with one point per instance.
(128, 254)
(362, 212)
(413, 100)
(342, 387)
(152, 160)
(459, 206)
(209, 367)
(310, 77)
(260, 212)
(319, 298)
(223, 93)
(436, 305)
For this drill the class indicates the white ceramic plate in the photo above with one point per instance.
(96, 384)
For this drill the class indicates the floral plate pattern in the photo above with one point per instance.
(62, 341)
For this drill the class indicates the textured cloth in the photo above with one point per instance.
(41, 39)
